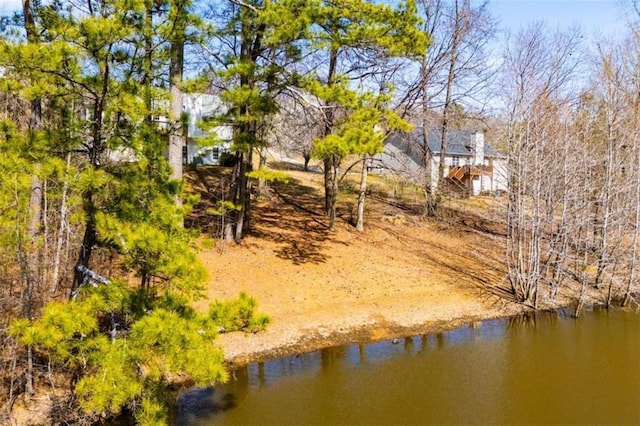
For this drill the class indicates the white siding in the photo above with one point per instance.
(199, 106)
(397, 159)
(500, 175)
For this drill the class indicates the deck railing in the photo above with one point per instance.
(459, 172)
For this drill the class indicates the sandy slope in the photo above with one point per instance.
(402, 276)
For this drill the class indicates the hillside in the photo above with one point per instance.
(403, 275)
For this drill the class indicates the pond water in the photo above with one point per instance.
(547, 368)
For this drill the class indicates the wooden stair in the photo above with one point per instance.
(457, 173)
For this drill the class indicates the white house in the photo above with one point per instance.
(472, 165)
(199, 107)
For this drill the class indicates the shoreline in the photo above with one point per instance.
(241, 349)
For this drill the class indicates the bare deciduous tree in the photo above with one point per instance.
(538, 70)
(453, 74)
(298, 123)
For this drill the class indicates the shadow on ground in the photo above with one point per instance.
(293, 219)
(292, 216)
(289, 214)
(211, 184)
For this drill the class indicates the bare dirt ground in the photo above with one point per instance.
(403, 275)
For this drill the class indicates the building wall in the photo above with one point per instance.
(448, 162)
(199, 106)
(496, 183)
(398, 158)
(481, 183)
(500, 175)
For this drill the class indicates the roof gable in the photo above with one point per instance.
(459, 143)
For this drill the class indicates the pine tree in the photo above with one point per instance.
(123, 349)
(360, 132)
(255, 51)
(266, 42)
(123, 345)
(351, 35)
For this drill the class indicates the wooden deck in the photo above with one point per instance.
(460, 172)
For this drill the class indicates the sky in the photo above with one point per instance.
(594, 16)
(9, 5)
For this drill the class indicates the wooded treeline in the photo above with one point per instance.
(98, 272)
(94, 258)
(572, 133)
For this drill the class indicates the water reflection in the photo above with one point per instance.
(539, 368)
(199, 403)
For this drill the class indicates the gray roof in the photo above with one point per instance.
(459, 142)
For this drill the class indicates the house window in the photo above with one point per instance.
(215, 154)
(455, 161)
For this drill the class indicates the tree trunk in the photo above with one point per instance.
(263, 186)
(235, 184)
(362, 194)
(32, 272)
(89, 207)
(176, 137)
(605, 204)
(451, 79)
(35, 201)
(633, 267)
(176, 68)
(330, 162)
(244, 197)
(331, 188)
(246, 135)
(84, 255)
(307, 158)
(61, 229)
(148, 62)
(430, 203)
(327, 184)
